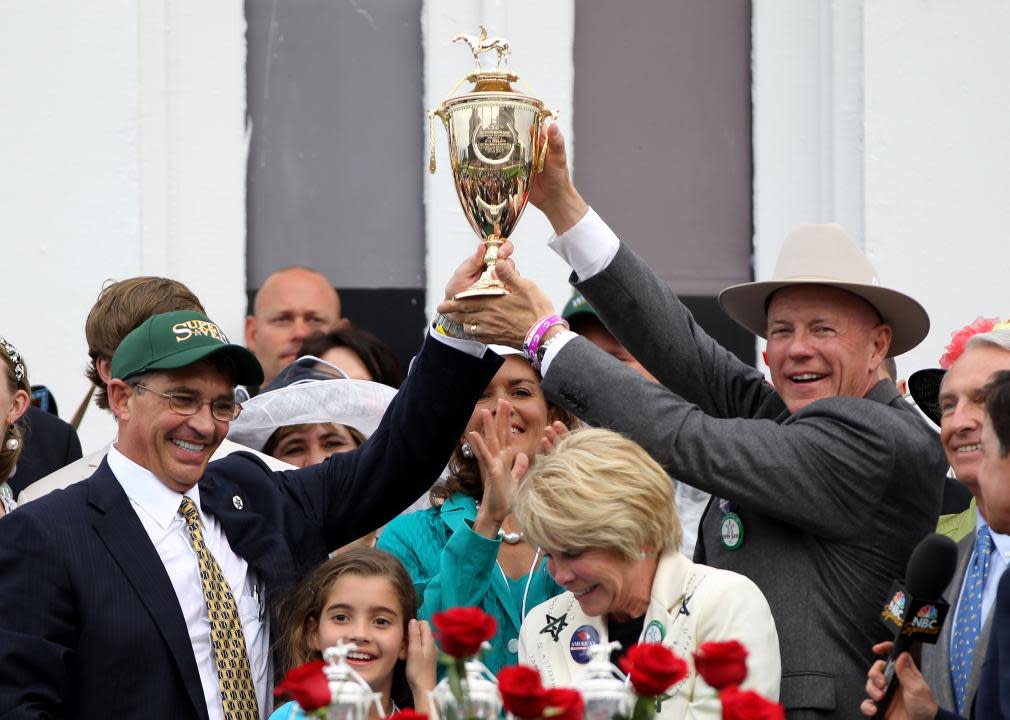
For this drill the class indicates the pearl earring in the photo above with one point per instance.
(13, 443)
(467, 451)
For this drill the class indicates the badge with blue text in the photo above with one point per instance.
(584, 637)
(654, 632)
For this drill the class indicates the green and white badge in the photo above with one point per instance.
(654, 632)
(731, 530)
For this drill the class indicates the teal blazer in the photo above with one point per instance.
(452, 566)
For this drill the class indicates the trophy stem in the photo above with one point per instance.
(486, 285)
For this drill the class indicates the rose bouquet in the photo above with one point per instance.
(652, 669)
(723, 665)
(526, 698)
(468, 691)
(329, 688)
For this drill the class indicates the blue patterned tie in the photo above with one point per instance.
(969, 618)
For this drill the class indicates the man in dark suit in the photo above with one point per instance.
(958, 408)
(822, 484)
(147, 590)
(913, 699)
(48, 444)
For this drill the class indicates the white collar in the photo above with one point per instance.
(145, 489)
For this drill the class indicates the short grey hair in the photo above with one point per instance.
(998, 338)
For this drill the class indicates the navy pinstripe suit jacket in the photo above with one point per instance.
(90, 626)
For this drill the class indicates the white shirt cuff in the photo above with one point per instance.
(557, 342)
(588, 246)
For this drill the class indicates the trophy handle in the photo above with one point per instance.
(431, 137)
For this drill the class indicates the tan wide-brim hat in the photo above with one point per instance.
(825, 255)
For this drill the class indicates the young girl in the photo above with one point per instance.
(363, 596)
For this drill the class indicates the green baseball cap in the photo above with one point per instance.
(578, 305)
(176, 339)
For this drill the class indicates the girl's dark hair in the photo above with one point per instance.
(377, 357)
(301, 610)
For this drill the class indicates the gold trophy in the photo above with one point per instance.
(494, 133)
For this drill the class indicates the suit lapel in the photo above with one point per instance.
(124, 536)
(249, 534)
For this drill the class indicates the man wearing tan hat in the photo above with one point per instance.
(822, 484)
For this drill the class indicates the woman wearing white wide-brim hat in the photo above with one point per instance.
(309, 411)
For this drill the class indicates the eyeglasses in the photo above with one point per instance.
(223, 410)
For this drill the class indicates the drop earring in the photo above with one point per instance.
(466, 450)
(13, 443)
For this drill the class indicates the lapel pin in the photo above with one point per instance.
(237, 502)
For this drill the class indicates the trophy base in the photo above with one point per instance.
(482, 289)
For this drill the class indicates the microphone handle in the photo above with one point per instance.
(902, 643)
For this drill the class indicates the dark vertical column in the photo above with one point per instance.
(335, 156)
(662, 125)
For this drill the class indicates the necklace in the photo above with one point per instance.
(512, 538)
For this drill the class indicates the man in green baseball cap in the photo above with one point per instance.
(176, 339)
(162, 560)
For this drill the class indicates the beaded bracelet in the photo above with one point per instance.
(536, 334)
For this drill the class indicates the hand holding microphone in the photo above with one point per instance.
(915, 613)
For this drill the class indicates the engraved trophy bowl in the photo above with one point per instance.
(494, 137)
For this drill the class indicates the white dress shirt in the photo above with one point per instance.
(157, 506)
(588, 247)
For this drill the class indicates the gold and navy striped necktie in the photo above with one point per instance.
(238, 693)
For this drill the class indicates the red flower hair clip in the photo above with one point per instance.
(960, 338)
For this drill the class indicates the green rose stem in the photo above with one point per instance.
(645, 708)
(456, 674)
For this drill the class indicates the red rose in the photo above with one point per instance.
(653, 668)
(721, 663)
(564, 704)
(521, 691)
(306, 685)
(407, 714)
(461, 631)
(740, 704)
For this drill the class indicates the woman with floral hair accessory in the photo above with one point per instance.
(15, 397)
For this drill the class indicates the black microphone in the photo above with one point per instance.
(916, 611)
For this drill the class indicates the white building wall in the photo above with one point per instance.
(123, 143)
(890, 118)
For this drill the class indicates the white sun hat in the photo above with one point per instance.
(307, 391)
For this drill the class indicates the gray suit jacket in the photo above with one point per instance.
(832, 498)
(936, 658)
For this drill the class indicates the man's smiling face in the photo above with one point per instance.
(176, 448)
(823, 342)
(962, 407)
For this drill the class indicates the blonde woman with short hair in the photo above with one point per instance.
(604, 514)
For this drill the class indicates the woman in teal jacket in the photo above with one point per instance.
(466, 549)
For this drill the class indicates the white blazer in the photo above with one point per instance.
(690, 604)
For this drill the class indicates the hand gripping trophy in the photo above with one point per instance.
(494, 137)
